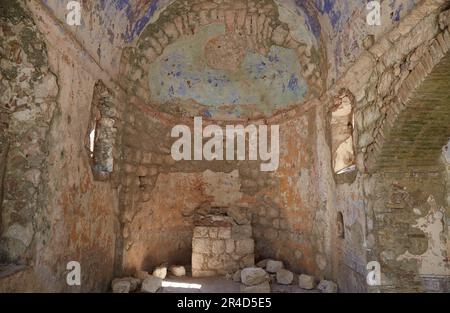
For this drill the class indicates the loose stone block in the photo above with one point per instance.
(285, 277)
(178, 271)
(151, 284)
(160, 272)
(273, 266)
(134, 283)
(306, 282)
(253, 276)
(327, 286)
(121, 286)
(141, 275)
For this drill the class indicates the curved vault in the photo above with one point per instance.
(422, 128)
(234, 59)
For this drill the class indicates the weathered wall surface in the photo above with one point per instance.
(161, 197)
(289, 207)
(410, 215)
(349, 253)
(288, 221)
(394, 210)
(108, 26)
(29, 91)
(213, 35)
(391, 114)
(61, 214)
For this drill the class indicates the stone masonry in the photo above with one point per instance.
(220, 246)
(87, 122)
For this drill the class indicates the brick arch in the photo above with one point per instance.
(408, 200)
(416, 136)
(409, 196)
(411, 89)
(257, 23)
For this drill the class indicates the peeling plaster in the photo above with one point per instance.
(432, 262)
(267, 82)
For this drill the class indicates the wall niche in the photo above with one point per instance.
(102, 133)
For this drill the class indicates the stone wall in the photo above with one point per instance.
(53, 210)
(410, 211)
(292, 221)
(28, 103)
(154, 215)
(392, 83)
(279, 202)
(220, 246)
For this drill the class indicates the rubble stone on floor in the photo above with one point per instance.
(306, 282)
(141, 275)
(284, 277)
(151, 284)
(122, 286)
(253, 276)
(327, 286)
(133, 282)
(177, 270)
(160, 271)
(273, 266)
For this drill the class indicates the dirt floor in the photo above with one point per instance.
(217, 285)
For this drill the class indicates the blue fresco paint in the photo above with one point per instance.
(269, 82)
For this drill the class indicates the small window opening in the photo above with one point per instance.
(102, 133)
(342, 121)
(92, 142)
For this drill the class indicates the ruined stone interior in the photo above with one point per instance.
(86, 115)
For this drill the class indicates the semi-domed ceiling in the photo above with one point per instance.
(262, 74)
(215, 70)
(227, 59)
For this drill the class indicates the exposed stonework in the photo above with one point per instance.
(220, 246)
(27, 104)
(248, 27)
(52, 210)
(102, 138)
(392, 84)
(86, 171)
